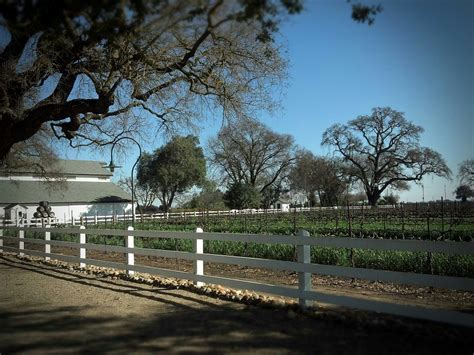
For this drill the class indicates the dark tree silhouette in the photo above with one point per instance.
(464, 192)
(241, 195)
(466, 172)
(92, 70)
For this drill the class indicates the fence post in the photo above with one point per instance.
(198, 265)
(47, 246)
(403, 220)
(73, 222)
(442, 214)
(21, 244)
(303, 253)
(349, 221)
(1, 241)
(294, 220)
(130, 256)
(82, 251)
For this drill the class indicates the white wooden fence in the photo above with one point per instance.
(121, 217)
(124, 217)
(305, 292)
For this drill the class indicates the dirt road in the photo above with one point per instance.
(48, 310)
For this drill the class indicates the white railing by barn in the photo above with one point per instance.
(305, 292)
(127, 216)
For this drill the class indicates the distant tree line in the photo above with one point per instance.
(255, 166)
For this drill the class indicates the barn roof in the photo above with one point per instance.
(11, 205)
(28, 192)
(64, 167)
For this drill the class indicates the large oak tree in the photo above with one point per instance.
(383, 150)
(91, 70)
(464, 192)
(466, 172)
(172, 169)
(248, 152)
(75, 63)
(318, 177)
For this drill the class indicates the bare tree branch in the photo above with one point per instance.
(383, 150)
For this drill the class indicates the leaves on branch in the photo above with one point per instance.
(365, 13)
(154, 59)
(172, 169)
(466, 172)
(75, 65)
(319, 178)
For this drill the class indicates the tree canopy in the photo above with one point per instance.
(241, 195)
(89, 71)
(383, 150)
(463, 192)
(319, 178)
(251, 153)
(466, 172)
(157, 56)
(172, 169)
(389, 199)
(144, 193)
(209, 198)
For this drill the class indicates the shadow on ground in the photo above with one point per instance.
(192, 323)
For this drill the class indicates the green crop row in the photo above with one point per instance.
(464, 232)
(439, 264)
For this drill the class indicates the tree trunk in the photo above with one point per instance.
(373, 197)
(24, 127)
(311, 199)
(7, 138)
(164, 202)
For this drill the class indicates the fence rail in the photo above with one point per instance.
(431, 221)
(305, 293)
(127, 216)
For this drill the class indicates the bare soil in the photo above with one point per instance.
(402, 294)
(44, 309)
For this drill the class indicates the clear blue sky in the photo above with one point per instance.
(417, 58)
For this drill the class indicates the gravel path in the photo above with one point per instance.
(50, 310)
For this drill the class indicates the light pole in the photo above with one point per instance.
(112, 167)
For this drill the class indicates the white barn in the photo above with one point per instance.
(84, 189)
(283, 205)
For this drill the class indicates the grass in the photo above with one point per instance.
(362, 225)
